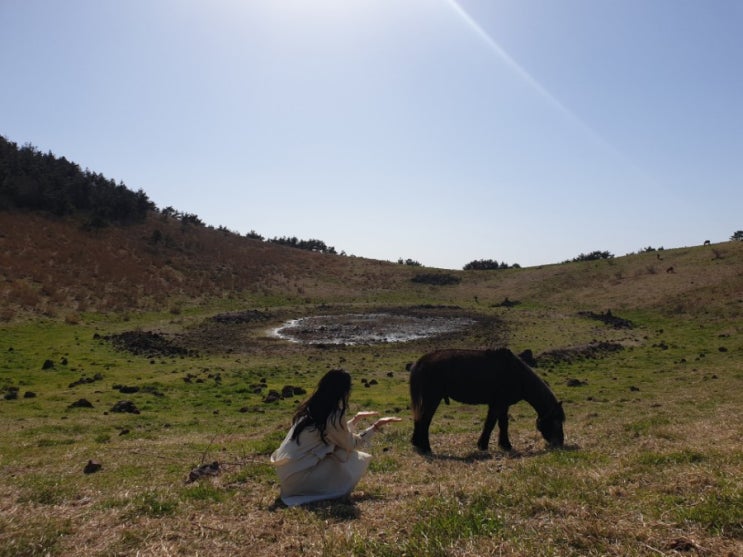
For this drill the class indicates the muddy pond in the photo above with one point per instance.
(368, 328)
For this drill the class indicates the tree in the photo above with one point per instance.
(33, 180)
(593, 256)
(737, 236)
(487, 265)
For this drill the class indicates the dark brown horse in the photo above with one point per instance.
(497, 378)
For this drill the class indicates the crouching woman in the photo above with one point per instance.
(319, 457)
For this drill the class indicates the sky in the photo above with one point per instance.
(443, 131)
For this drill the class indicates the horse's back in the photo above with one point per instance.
(470, 376)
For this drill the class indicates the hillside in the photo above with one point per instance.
(134, 352)
(52, 266)
(72, 241)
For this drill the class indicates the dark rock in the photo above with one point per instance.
(125, 406)
(127, 389)
(81, 403)
(506, 303)
(272, 396)
(92, 467)
(204, 470)
(608, 319)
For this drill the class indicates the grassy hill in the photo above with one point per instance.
(176, 319)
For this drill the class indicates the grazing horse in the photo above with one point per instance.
(497, 378)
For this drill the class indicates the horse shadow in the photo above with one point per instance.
(481, 456)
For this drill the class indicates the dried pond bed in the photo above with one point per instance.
(369, 328)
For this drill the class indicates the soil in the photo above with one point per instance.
(576, 353)
(252, 331)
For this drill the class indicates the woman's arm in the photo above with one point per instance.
(359, 416)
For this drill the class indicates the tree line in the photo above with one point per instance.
(32, 180)
(36, 181)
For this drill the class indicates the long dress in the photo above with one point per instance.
(313, 470)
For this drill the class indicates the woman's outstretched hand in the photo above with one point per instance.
(362, 415)
(384, 421)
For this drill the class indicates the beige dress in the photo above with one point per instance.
(312, 470)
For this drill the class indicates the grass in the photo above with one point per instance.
(652, 466)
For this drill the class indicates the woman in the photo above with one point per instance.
(319, 459)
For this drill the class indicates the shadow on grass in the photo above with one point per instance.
(479, 456)
(338, 510)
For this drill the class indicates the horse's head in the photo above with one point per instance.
(550, 426)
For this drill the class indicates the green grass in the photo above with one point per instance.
(652, 431)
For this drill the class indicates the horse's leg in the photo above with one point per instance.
(487, 429)
(503, 441)
(421, 424)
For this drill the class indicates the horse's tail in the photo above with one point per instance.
(416, 391)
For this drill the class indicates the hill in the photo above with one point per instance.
(55, 267)
(72, 241)
(133, 352)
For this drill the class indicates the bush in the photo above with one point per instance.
(437, 279)
(593, 256)
(486, 265)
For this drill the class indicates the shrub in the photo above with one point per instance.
(437, 279)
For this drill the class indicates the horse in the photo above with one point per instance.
(497, 378)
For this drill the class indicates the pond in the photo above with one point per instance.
(368, 328)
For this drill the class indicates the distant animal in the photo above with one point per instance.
(497, 378)
(707, 243)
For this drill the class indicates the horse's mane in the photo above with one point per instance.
(536, 391)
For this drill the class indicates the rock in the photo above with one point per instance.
(272, 396)
(81, 403)
(125, 406)
(125, 389)
(204, 470)
(92, 467)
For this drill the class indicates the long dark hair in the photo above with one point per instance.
(327, 404)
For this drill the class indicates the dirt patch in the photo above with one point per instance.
(576, 353)
(240, 317)
(608, 319)
(254, 332)
(146, 343)
(368, 328)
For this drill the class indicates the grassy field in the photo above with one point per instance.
(653, 463)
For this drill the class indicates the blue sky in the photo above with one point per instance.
(525, 131)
